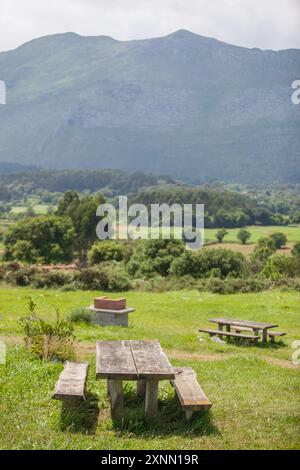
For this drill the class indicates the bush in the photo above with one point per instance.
(209, 262)
(52, 278)
(152, 257)
(279, 266)
(91, 279)
(296, 250)
(20, 277)
(232, 286)
(80, 315)
(106, 250)
(280, 239)
(47, 341)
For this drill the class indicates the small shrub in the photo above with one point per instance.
(80, 315)
(45, 340)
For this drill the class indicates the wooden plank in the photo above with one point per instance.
(276, 333)
(247, 323)
(151, 361)
(228, 333)
(141, 388)
(71, 382)
(114, 360)
(189, 392)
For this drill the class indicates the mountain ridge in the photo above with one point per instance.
(183, 104)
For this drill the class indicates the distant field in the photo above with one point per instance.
(38, 209)
(292, 232)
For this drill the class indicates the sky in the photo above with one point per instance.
(267, 24)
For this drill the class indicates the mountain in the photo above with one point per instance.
(183, 105)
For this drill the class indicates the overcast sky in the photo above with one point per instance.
(268, 24)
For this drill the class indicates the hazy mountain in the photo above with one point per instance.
(184, 105)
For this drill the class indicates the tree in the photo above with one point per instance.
(280, 239)
(264, 248)
(221, 233)
(243, 236)
(82, 212)
(43, 239)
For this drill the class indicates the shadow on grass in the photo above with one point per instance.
(169, 420)
(83, 418)
(250, 344)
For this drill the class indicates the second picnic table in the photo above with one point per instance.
(253, 325)
(143, 361)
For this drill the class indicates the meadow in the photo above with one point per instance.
(292, 232)
(254, 390)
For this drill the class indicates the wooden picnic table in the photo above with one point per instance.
(254, 325)
(143, 361)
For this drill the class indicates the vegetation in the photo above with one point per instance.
(243, 235)
(221, 234)
(258, 383)
(44, 239)
(46, 341)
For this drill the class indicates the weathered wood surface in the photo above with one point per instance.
(276, 333)
(191, 396)
(151, 361)
(116, 398)
(246, 323)
(273, 334)
(71, 382)
(114, 360)
(151, 397)
(132, 360)
(228, 333)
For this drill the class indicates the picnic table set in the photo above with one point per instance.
(145, 362)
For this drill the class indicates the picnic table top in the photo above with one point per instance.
(132, 360)
(251, 324)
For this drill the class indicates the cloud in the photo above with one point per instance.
(268, 24)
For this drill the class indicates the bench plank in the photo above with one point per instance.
(229, 333)
(114, 360)
(276, 333)
(151, 361)
(191, 396)
(71, 382)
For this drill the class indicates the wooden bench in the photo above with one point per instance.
(212, 332)
(272, 335)
(190, 394)
(70, 387)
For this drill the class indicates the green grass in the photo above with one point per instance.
(254, 390)
(292, 233)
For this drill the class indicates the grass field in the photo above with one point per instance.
(254, 390)
(292, 233)
(39, 209)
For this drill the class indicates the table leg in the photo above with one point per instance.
(141, 388)
(256, 332)
(108, 388)
(264, 335)
(116, 396)
(151, 400)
